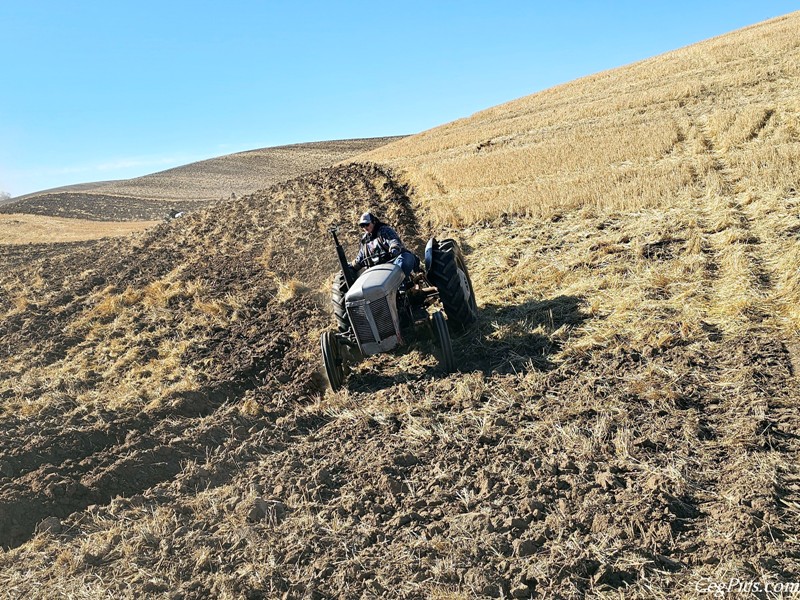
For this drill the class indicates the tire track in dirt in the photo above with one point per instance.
(51, 440)
(742, 406)
(761, 125)
(734, 216)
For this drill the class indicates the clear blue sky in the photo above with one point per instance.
(120, 88)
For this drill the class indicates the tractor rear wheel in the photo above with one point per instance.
(449, 274)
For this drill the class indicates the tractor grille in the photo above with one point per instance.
(361, 326)
(383, 318)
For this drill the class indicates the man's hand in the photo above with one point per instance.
(395, 252)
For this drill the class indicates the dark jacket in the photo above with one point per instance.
(382, 241)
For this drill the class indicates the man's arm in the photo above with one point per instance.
(392, 239)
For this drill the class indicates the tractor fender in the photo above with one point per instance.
(432, 243)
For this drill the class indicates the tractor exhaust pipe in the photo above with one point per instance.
(349, 272)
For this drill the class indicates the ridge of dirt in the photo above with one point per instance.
(264, 344)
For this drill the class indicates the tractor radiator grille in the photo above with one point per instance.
(361, 326)
(383, 318)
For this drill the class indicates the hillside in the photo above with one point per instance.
(188, 187)
(623, 139)
(625, 417)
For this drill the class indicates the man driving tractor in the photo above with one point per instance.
(379, 244)
(378, 306)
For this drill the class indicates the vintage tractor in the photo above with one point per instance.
(378, 309)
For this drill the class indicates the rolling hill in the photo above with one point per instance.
(188, 187)
(624, 420)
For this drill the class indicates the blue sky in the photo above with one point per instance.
(107, 90)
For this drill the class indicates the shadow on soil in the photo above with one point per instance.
(516, 339)
(508, 339)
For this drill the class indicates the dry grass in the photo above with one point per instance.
(36, 229)
(620, 139)
(709, 135)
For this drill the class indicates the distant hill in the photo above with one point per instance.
(190, 186)
(75, 187)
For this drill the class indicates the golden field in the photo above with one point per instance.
(642, 136)
(37, 229)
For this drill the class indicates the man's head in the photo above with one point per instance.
(367, 222)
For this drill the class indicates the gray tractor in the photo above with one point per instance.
(378, 309)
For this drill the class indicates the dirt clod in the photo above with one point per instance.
(49, 525)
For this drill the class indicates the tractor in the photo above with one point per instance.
(377, 308)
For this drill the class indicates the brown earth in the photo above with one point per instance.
(540, 469)
(95, 206)
(264, 342)
(623, 423)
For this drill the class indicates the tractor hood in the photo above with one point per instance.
(376, 283)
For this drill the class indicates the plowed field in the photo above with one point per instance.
(167, 430)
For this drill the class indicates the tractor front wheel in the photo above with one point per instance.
(333, 360)
(442, 335)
